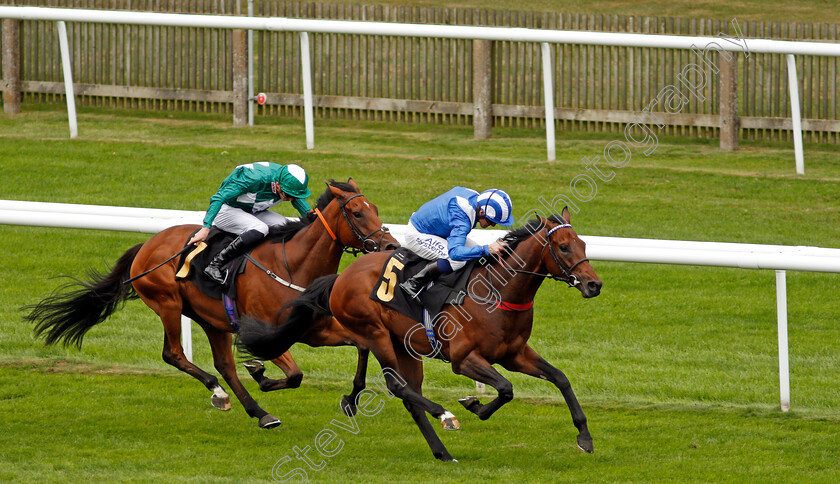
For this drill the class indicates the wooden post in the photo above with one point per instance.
(240, 78)
(730, 122)
(11, 65)
(482, 89)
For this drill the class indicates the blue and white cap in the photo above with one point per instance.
(496, 206)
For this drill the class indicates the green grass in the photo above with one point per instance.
(676, 367)
(818, 11)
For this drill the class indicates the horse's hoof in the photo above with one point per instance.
(222, 403)
(253, 366)
(449, 422)
(348, 406)
(269, 421)
(471, 403)
(585, 444)
(445, 457)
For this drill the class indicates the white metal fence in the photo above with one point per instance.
(780, 258)
(545, 37)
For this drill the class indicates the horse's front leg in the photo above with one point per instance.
(220, 345)
(476, 367)
(286, 363)
(413, 401)
(527, 361)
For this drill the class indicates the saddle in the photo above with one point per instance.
(192, 264)
(447, 289)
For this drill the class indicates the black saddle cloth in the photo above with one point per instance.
(216, 241)
(447, 289)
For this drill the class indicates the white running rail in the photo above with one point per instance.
(780, 258)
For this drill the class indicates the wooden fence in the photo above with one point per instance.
(596, 88)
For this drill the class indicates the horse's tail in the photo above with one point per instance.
(67, 314)
(260, 340)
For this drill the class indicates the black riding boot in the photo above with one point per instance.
(239, 246)
(419, 281)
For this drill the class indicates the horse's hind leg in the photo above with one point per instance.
(529, 362)
(286, 363)
(348, 402)
(220, 344)
(173, 353)
(476, 367)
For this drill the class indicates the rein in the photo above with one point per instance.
(567, 277)
(570, 278)
(350, 250)
(368, 244)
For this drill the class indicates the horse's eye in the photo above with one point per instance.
(357, 214)
(564, 247)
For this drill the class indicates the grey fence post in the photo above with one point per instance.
(240, 77)
(11, 66)
(482, 89)
(730, 121)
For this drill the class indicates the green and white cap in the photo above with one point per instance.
(294, 181)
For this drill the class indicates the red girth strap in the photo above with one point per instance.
(514, 307)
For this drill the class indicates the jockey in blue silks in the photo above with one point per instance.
(438, 231)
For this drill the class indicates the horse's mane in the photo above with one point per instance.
(282, 233)
(514, 237)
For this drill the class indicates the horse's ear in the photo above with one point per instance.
(352, 183)
(566, 215)
(337, 192)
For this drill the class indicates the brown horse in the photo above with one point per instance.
(491, 326)
(298, 253)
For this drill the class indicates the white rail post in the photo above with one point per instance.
(548, 87)
(794, 112)
(250, 67)
(784, 367)
(186, 337)
(68, 78)
(306, 71)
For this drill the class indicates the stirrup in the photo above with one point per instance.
(409, 289)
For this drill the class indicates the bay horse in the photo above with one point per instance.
(297, 252)
(488, 328)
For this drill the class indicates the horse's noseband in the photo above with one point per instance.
(368, 243)
(568, 276)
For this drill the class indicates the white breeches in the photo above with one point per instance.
(431, 247)
(238, 221)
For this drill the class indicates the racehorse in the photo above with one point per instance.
(296, 253)
(486, 329)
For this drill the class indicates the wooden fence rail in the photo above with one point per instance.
(596, 88)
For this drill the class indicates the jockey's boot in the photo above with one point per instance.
(239, 246)
(418, 282)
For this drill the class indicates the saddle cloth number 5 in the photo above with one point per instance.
(386, 289)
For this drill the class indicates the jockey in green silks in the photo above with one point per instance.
(241, 207)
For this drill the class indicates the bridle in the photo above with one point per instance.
(368, 244)
(568, 277)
